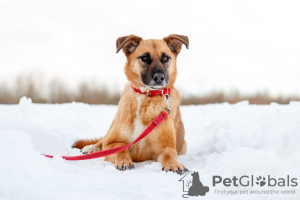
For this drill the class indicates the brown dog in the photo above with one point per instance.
(151, 65)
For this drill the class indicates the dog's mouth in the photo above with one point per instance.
(154, 86)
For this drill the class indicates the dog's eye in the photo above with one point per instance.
(145, 58)
(164, 59)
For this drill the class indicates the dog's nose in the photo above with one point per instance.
(159, 78)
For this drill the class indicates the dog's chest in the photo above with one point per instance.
(146, 110)
(141, 150)
(138, 126)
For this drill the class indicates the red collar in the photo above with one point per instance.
(152, 93)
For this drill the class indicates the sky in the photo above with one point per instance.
(249, 46)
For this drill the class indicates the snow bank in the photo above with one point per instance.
(226, 140)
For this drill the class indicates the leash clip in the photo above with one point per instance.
(168, 100)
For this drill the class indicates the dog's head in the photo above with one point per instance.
(151, 64)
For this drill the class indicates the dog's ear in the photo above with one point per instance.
(128, 43)
(175, 42)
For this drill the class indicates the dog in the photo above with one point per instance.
(150, 66)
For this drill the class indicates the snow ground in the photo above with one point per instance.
(226, 140)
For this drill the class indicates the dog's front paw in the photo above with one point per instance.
(124, 164)
(174, 167)
(90, 149)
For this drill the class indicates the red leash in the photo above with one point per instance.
(159, 119)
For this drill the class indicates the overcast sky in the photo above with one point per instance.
(245, 45)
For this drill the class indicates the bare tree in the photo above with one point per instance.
(189, 183)
(33, 85)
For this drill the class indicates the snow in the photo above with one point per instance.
(226, 140)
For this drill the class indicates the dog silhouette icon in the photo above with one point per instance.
(195, 187)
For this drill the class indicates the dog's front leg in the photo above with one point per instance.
(168, 160)
(122, 159)
(166, 152)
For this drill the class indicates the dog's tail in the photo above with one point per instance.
(79, 144)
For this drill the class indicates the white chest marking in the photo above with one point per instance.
(138, 125)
